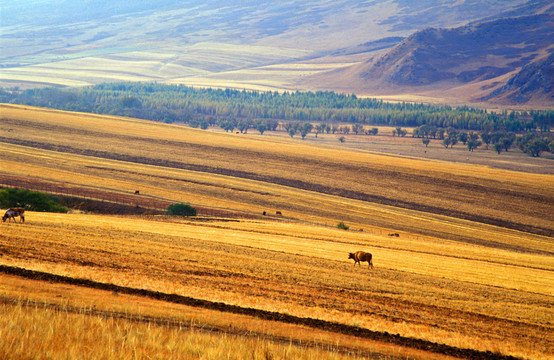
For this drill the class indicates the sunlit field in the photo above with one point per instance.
(472, 266)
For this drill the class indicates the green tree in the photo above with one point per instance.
(473, 144)
(399, 132)
(243, 126)
(507, 142)
(463, 137)
(291, 128)
(261, 127)
(486, 137)
(536, 146)
(320, 128)
(433, 131)
(473, 141)
(130, 102)
(425, 141)
(357, 128)
(305, 129)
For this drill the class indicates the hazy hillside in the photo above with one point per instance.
(278, 45)
(484, 54)
(469, 53)
(535, 80)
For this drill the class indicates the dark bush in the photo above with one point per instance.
(180, 210)
(343, 226)
(30, 200)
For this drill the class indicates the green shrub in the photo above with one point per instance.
(30, 200)
(343, 226)
(180, 210)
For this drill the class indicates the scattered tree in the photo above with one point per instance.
(357, 128)
(473, 141)
(261, 127)
(463, 137)
(305, 129)
(486, 137)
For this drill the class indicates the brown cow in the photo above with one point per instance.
(360, 256)
(11, 213)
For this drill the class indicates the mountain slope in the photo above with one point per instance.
(473, 52)
(473, 61)
(535, 80)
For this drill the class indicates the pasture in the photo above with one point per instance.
(471, 273)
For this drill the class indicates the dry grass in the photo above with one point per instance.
(158, 324)
(60, 334)
(303, 271)
(446, 279)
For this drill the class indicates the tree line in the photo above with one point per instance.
(261, 110)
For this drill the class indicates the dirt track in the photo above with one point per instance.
(266, 315)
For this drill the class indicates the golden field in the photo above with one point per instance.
(472, 267)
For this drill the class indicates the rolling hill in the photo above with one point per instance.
(468, 276)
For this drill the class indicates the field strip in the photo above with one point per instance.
(489, 266)
(292, 183)
(169, 322)
(262, 314)
(144, 129)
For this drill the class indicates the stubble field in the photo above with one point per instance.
(471, 273)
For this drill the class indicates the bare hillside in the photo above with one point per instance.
(474, 62)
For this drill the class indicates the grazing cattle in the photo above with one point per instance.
(278, 213)
(11, 213)
(394, 234)
(137, 192)
(360, 256)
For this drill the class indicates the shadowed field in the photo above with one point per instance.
(472, 267)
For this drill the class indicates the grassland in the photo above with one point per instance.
(472, 268)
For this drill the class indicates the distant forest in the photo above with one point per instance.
(202, 107)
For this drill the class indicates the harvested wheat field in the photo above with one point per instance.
(470, 274)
